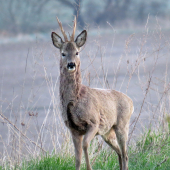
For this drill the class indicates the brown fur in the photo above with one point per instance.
(89, 112)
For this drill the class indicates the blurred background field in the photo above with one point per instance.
(127, 49)
(32, 16)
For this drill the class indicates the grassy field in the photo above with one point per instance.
(150, 152)
(33, 135)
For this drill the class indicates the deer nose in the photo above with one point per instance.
(71, 66)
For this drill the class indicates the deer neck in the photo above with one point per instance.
(70, 85)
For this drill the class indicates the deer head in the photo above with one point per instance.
(69, 49)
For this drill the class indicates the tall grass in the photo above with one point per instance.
(151, 151)
(47, 145)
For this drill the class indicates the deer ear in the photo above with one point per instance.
(57, 40)
(81, 38)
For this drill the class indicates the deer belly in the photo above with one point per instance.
(107, 121)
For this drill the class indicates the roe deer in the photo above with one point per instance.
(86, 111)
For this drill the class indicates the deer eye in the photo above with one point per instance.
(77, 53)
(63, 54)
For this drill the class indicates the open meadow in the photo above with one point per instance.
(32, 131)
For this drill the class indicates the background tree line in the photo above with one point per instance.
(18, 16)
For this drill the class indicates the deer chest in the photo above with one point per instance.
(74, 122)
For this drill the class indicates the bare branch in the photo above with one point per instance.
(8, 121)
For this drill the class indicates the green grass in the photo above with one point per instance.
(50, 163)
(151, 152)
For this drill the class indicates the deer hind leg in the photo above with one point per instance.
(122, 136)
(87, 139)
(77, 140)
(111, 139)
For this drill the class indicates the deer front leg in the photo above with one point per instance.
(87, 139)
(77, 140)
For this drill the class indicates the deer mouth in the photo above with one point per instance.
(71, 67)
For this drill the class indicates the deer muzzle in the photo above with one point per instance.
(71, 67)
